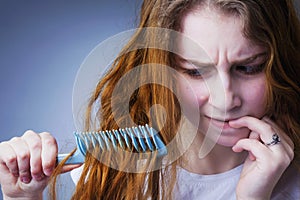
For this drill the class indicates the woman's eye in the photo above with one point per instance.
(249, 70)
(194, 73)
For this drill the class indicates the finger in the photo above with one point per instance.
(254, 136)
(266, 132)
(34, 144)
(9, 158)
(264, 129)
(23, 158)
(49, 153)
(257, 149)
(263, 153)
(285, 137)
(287, 143)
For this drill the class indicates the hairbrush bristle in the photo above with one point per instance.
(139, 139)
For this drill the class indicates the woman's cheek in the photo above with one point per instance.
(192, 98)
(256, 98)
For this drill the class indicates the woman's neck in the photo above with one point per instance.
(219, 159)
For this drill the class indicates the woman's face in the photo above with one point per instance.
(225, 83)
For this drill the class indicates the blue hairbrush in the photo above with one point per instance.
(140, 139)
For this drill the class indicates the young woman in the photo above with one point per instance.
(241, 96)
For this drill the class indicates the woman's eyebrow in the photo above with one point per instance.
(197, 63)
(250, 59)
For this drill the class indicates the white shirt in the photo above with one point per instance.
(222, 186)
(191, 186)
(217, 186)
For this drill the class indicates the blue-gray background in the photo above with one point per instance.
(42, 45)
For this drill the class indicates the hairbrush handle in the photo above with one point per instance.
(79, 155)
(76, 158)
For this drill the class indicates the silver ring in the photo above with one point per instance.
(275, 140)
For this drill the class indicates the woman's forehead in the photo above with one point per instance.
(215, 35)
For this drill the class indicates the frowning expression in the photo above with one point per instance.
(224, 83)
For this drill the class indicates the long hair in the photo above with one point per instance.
(272, 24)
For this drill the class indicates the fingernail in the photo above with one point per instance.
(25, 179)
(38, 177)
(48, 171)
(232, 121)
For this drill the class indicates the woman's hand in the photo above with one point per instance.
(265, 163)
(25, 165)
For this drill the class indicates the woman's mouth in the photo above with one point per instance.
(220, 123)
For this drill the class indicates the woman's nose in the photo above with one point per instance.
(224, 93)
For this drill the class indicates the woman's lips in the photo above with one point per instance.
(220, 123)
